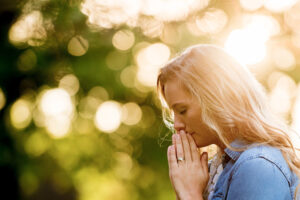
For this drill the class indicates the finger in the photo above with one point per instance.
(172, 157)
(204, 161)
(173, 139)
(194, 151)
(178, 146)
(186, 146)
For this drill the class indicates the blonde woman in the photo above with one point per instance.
(209, 98)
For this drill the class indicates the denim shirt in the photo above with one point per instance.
(258, 173)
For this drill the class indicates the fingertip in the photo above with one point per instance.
(170, 149)
(206, 156)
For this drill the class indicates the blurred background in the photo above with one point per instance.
(79, 114)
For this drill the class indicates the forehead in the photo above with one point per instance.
(175, 92)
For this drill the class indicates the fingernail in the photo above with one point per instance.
(178, 136)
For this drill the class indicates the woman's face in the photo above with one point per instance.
(187, 114)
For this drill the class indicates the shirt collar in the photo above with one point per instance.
(236, 144)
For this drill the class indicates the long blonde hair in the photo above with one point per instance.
(233, 103)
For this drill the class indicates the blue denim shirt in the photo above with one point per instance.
(258, 173)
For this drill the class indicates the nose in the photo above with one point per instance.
(178, 124)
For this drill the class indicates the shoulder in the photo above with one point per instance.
(264, 157)
(258, 178)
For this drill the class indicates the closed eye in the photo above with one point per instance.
(182, 112)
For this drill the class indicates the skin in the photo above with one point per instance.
(189, 177)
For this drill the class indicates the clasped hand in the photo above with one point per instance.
(189, 176)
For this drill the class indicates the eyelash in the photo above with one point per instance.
(182, 112)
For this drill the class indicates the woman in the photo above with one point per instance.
(209, 98)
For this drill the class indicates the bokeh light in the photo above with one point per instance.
(127, 76)
(296, 118)
(69, 83)
(282, 92)
(151, 27)
(36, 144)
(150, 60)
(27, 60)
(28, 29)
(55, 102)
(29, 182)
(123, 166)
(91, 184)
(107, 14)
(108, 116)
(252, 5)
(170, 34)
(99, 93)
(213, 21)
(116, 60)
(88, 105)
(78, 46)
(57, 107)
(111, 14)
(2, 99)
(131, 113)
(283, 58)
(279, 5)
(123, 40)
(172, 10)
(292, 18)
(20, 114)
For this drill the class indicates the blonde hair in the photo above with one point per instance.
(233, 103)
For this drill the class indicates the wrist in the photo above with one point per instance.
(195, 196)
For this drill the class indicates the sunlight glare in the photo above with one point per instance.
(247, 45)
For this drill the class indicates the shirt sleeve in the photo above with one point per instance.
(258, 179)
